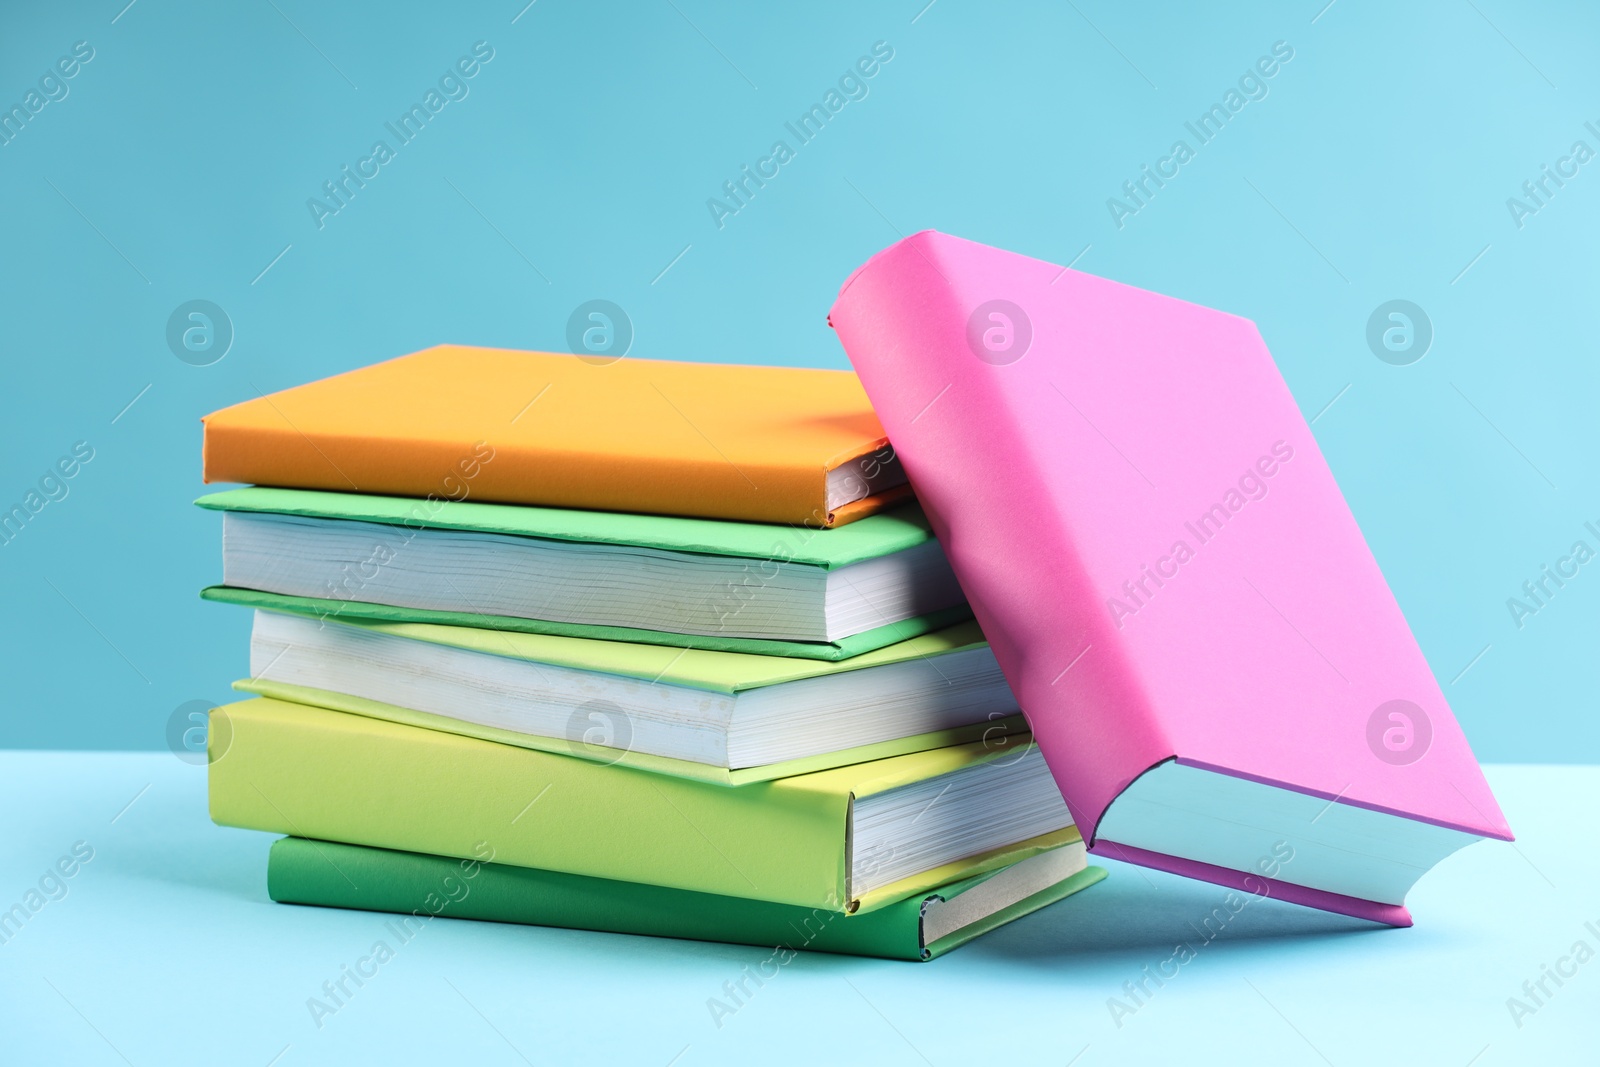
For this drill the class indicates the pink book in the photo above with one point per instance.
(1215, 668)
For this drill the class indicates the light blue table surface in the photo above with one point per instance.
(165, 950)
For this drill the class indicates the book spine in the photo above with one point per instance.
(497, 471)
(292, 769)
(420, 888)
(1010, 532)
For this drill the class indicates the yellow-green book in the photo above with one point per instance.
(848, 839)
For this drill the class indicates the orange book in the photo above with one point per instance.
(760, 444)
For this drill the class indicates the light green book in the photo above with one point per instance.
(717, 716)
(847, 839)
(422, 888)
(698, 583)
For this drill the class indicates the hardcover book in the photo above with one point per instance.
(760, 444)
(737, 586)
(848, 839)
(1170, 578)
(727, 716)
(419, 887)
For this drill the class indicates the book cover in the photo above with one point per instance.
(458, 423)
(842, 649)
(892, 530)
(715, 672)
(1154, 545)
(311, 772)
(422, 887)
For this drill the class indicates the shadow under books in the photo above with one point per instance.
(1136, 910)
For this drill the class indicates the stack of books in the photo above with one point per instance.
(651, 647)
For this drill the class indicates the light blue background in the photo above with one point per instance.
(1378, 167)
(178, 168)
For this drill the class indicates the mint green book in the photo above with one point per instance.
(717, 716)
(422, 887)
(694, 583)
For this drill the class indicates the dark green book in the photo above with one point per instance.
(419, 887)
